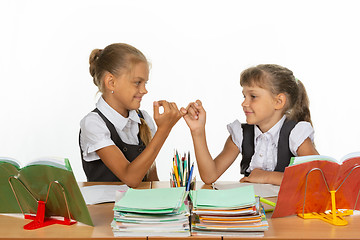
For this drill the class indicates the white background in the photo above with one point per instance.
(197, 50)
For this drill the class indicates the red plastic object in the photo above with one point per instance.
(39, 220)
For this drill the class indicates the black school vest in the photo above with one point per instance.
(284, 153)
(97, 171)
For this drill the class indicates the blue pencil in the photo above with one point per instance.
(185, 172)
(190, 176)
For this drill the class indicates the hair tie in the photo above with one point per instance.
(98, 54)
(296, 80)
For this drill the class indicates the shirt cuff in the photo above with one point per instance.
(90, 153)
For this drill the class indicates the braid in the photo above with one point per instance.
(300, 110)
(145, 136)
(144, 132)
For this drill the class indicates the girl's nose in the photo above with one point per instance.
(143, 89)
(245, 103)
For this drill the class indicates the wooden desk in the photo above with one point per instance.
(291, 227)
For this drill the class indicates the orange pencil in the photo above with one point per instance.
(176, 174)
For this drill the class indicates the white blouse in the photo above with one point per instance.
(95, 134)
(265, 156)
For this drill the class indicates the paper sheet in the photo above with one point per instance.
(101, 193)
(262, 190)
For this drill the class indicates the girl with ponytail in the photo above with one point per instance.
(278, 127)
(118, 141)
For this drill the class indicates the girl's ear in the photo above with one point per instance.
(109, 81)
(280, 101)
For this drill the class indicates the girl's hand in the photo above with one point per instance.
(169, 117)
(195, 116)
(261, 176)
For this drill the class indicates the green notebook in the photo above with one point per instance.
(155, 201)
(37, 177)
(224, 199)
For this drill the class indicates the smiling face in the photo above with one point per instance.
(261, 107)
(130, 88)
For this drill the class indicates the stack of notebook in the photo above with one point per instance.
(227, 212)
(152, 212)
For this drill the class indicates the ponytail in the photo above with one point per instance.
(144, 131)
(145, 136)
(301, 111)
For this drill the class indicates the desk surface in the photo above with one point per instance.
(293, 227)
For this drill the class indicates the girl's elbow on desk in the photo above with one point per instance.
(130, 180)
(208, 180)
(133, 183)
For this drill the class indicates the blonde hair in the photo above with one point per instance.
(144, 131)
(278, 79)
(145, 136)
(118, 59)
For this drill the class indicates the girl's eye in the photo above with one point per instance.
(137, 83)
(253, 96)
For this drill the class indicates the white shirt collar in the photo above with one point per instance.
(114, 117)
(273, 133)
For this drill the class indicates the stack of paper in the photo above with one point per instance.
(227, 212)
(152, 212)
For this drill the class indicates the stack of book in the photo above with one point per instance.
(152, 212)
(227, 212)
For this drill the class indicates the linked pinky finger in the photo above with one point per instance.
(193, 113)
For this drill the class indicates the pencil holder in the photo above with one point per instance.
(181, 174)
(191, 187)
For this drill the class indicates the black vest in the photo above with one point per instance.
(284, 153)
(97, 171)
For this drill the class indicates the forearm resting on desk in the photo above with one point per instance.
(261, 176)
